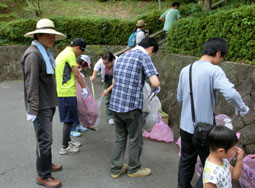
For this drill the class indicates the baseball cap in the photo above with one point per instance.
(79, 42)
(86, 59)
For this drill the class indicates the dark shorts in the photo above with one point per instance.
(68, 109)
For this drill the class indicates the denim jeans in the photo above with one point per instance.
(43, 131)
(189, 153)
(128, 125)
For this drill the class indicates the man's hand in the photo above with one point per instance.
(84, 93)
(157, 90)
(30, 117)
(242, 113)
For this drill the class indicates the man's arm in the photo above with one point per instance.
(161, 19)
(31, 70)
(78, 76)
(154, 81)
(224, 86)
(179, 90)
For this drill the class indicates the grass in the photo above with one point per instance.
(124, 10)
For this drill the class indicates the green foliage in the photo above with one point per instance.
(96, 31)
(236, 25)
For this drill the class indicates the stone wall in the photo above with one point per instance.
(169, 67)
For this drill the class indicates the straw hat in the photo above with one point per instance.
(140, 23)
(46, 26)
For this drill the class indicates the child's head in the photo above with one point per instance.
(222, 139)
(83, 61)
(108, 59)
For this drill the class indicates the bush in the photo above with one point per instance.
(94, 31)
(236, 25)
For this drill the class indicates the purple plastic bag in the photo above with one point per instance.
(247, 179)
(87, 108)
(160, 131)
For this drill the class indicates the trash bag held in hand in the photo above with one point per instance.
(87, 108)
(247, 179)
(151, 107)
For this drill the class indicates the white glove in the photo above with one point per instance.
(157, 90)
(242, 113)
(84, 93)
(30, 117)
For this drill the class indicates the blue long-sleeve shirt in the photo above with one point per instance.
(207, 80)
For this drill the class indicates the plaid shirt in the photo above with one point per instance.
(131, 71)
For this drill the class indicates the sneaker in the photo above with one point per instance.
(75, 134)
(140, 173)
(111, 122)
(74, 143)
(123, 169)
(70, 149)
(81, 128)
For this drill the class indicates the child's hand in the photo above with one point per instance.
(239, 154)
(92, 78)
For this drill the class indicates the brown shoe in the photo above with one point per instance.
(50, 182)
(55, 167)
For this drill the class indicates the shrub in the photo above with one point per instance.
(236, 25)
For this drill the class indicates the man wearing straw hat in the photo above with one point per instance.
(38, 66)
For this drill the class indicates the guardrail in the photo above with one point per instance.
(152, 35)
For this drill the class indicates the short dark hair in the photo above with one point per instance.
(213, 45)
(221, 137)
(108, 56)
(175, 4)
(148, 42)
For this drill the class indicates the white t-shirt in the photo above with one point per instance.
(217, 175)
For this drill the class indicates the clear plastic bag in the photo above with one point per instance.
(151, 107)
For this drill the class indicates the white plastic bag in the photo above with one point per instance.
(151, 107)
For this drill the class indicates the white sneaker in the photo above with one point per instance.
(70, 149)
(111, 121)
(74, 143)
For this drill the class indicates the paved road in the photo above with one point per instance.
(87, 169)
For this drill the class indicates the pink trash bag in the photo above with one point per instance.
(247, 179)
(160, 131)
(87, 109)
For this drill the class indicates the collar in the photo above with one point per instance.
(141, 49)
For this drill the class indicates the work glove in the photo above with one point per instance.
(30, 117)
(242, 113)
(84, 93)
(157, 90)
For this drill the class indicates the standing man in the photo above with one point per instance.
(131, 71)
(170, 16)
(38, 66)
(207, 79)
(66, 74)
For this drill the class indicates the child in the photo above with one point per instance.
(83, 62)
(218, 173)
(106, 63)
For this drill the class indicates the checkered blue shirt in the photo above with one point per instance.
(131, 71)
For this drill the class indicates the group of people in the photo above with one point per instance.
(49, 83)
